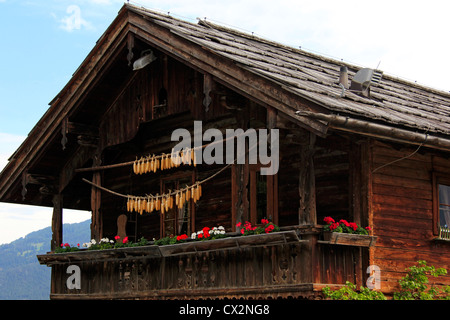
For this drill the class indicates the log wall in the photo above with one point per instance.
(401, 212)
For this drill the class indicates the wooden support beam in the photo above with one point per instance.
(57, 226)
(306, 184)
(96, 200)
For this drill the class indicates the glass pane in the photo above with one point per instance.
(444, 205)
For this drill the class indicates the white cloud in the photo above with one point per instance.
(17, 221)
(407, 37)
(74, 21)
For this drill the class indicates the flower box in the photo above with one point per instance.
(348, 239)
(185, 248)
(271, 239)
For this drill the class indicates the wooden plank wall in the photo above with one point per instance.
(401, 212)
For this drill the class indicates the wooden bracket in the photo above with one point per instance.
(86, 135)
(207, 88)
(48, 183)
(130, 45)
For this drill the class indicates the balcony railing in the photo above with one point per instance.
(444, 233)
(290, 263)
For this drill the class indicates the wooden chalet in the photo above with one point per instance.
(354, 144)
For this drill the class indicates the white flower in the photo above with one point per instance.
(221, 228)
(193, 235)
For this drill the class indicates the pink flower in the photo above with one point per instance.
(238, 224)
(264, 221)
(117, 238)
(125, 240)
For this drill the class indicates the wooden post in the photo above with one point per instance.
(360, 184)
(96, 197)
(57, 227)
(306, 183)
(272, 180)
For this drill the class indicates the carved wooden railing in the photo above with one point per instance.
(281, 264)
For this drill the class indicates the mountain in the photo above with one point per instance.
(21, 275)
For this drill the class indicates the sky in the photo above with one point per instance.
(44, 41)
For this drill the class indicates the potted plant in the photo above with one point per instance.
(347, 233)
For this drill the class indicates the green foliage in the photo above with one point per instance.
(414, 286)
(348, 292)
(166, 240)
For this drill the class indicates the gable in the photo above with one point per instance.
(97, 99)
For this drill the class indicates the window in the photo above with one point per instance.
(263, 196)
(444, 205)
(260, 197)
(441, 211)
(177, 221)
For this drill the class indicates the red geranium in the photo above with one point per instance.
(328, 220)
(182, 237)
(344, 226)
(269, 228)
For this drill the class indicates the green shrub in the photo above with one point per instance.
(414, 286)
(348, 292)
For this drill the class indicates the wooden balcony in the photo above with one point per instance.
(292, 263)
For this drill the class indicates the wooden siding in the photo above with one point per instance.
(402, 212)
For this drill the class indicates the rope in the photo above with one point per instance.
(158, 157)
(161, 195)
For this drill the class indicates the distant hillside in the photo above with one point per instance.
(21, 275)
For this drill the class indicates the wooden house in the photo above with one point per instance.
(354, 144)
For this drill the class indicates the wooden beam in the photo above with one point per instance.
(57, 226)
(96, 201)
(306, 183)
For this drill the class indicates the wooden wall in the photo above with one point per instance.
(401, 213)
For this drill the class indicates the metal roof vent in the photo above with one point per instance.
(364, 79)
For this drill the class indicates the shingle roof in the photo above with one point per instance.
(393, 101)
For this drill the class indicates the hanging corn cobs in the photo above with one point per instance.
(164, 162)
(164, 202)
